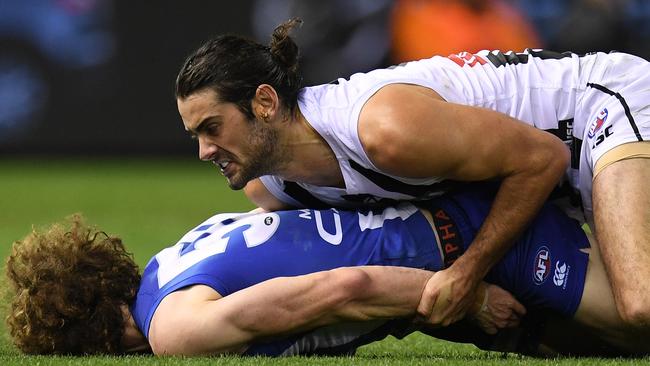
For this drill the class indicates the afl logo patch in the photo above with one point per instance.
(541, 266)
(598, 123)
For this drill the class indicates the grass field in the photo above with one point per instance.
(150, 204)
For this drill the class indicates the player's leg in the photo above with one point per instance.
(597, 314)
(616, 148)
(597, 309)
(621, 199)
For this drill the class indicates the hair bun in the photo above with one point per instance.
(282, 47)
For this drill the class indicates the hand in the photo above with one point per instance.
(447, 296)
(496, 309)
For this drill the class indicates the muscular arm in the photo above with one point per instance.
(260, 196)
(199, 321)
(435, 138)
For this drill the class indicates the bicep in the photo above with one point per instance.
(228, 325)
(182, 326)
(408, 132)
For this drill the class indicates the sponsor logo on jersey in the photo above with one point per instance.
(541, 266)
(598, 123)
(448, 235)
(466, 58)
(561, 274)
(608, 131)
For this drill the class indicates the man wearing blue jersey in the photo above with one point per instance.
(295, 282)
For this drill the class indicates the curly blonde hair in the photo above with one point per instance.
(69, 284)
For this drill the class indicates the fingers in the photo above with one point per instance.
(506, 320)
(500, 310)
(427, 302)
(441, 307)
(518, 308)
(512, 322)
(454, 311)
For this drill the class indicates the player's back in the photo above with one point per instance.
(229, 252)
(541, 88)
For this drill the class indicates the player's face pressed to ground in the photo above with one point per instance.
(243, 149)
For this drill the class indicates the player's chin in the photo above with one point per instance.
(236, 182)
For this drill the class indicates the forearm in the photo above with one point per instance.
(383, 292)
(287, 305)
(517, 202)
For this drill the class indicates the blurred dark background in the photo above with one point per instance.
(95, 77)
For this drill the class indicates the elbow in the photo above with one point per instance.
(352, 280)
(352, 286)
(553, 160)
(561, 156)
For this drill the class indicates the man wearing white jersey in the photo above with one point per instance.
(417, 129)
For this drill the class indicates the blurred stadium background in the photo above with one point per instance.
(95, 77)
(88, 120)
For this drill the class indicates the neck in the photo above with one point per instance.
(133, 340)
(308, 158)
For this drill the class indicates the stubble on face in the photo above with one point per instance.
(262, 152)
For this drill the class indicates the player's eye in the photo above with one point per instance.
(212, 129)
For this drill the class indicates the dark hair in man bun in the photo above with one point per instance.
(234, 66)
(282, 47)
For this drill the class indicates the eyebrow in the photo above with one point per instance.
(202, 125)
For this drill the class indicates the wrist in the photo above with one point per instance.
(473, 265)
(480, 300)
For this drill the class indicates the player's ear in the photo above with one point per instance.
(265, 102)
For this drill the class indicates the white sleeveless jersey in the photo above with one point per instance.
(551, 91)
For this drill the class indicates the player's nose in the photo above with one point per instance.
(207, 150)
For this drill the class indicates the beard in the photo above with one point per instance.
(262, 153)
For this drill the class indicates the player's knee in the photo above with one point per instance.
(635, 311)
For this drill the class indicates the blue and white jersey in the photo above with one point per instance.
(544, 269)
(230, 252)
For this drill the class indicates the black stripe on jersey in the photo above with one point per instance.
(564, 130)
(499, 59)
(303, 196)
(576, 147)
(393, 185)
(549, 55)
(620, 98)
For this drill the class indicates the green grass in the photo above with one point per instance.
(150, 204)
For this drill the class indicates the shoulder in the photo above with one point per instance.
(176, 317)
(396, 116)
